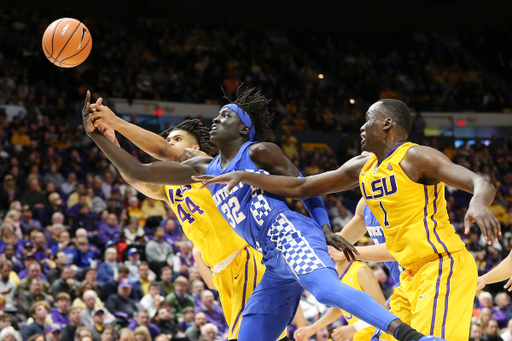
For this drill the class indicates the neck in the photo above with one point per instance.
(229, 150)
(383, 150)
(341, 266)
(40, 321)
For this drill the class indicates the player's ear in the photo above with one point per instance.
(196, 147)
(388, 122)
(245, 130)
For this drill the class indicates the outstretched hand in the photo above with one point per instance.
(486, 221)
(104, 116)
(230, 179)
(86, 113)
(339, 243)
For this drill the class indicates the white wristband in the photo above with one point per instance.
(360, 325)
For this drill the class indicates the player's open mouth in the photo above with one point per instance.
(214, 127)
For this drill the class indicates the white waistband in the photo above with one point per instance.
(224, 263)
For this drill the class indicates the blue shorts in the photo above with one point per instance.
(295, 245)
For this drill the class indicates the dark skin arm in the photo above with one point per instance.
(342, 179)
(151, 143)
(161, 172)
(429, 166)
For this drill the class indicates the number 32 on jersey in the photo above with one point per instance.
(185, 206)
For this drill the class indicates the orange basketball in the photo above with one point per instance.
(67, 42)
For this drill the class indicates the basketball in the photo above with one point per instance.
(67, 42)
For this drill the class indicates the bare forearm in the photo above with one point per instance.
(205, 271)
(374, 253)
(163, 173)
(500, 273)
(483, 192)
(151, 143)
(332, 315)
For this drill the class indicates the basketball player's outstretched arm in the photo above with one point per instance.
(428, 166)
(344, 178)
(498, 274)
(162, 172)
(270, 157)
(151, 143)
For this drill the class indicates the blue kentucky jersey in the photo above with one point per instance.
(247, 209)
(377, 234)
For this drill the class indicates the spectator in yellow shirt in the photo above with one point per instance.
(151, 207)
(498, 211)
(135, 212)
(20, 137)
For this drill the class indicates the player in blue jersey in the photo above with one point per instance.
(293, 246)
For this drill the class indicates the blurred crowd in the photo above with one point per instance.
(316, 81)
(84, 255)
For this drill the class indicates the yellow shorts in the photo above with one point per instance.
(236, 283)
(364, 335)
(399, 305)
(436, 296)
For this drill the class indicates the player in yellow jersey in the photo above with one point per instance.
(403, 185)
(235, 267)
(360, 277)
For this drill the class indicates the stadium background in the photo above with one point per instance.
(322, 63)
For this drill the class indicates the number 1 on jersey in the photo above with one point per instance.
(386, 222)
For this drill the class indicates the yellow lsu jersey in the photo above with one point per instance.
(202, 223)
(349, 277)
(413, 216)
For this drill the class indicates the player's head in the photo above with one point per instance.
(247, 117)
(387, 116)
(189, 134)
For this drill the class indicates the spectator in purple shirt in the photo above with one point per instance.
(42, 253)
(109, 231)
(214, 313)
(28, 262)
(485, 301)
(17, 244)
(27, 221)
(9, 254)
(143, 319)
(84, 219)
(197, 287)
(172, 234)
(52, 234)
(82, 233)
(61, 314)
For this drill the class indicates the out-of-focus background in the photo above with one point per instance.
(155, 63)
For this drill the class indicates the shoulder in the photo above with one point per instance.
(354, 165)
(263, 148)
(364, 272)
(420, 153)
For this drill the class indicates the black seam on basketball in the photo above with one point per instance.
(53, 37)
(80, 50)
(63, 47)
(45, 49)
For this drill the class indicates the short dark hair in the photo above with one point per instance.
(123, 269)
(6, 263)
(165, 268)
(195, 128)
(256, 106)
(400, 113)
